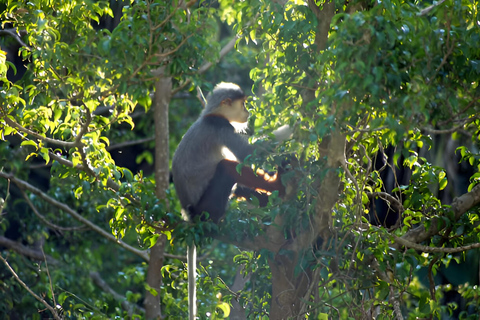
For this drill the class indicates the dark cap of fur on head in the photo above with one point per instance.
(222, 91)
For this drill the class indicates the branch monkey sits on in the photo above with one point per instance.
(203, 171)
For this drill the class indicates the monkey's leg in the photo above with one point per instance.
(214, 199)
(248, 178)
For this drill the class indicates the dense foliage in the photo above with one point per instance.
(382, 219)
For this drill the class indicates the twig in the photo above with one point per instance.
(110, 183)
(450, 46)
(167, 19)
(388, 197)
(49, 307)
(431, 280)
(49, 277)
(371, 130)
(63, 161)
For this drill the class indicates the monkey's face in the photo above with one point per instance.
(235, 111)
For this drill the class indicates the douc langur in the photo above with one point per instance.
(204, 173)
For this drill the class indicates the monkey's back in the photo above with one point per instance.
(196, 158)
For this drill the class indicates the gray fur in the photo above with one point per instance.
(200, 150)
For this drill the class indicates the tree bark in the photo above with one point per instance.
(287, 288)
(161, 100)
(289, 285)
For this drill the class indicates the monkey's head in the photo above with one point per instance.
(227, 100)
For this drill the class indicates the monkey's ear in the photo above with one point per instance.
(227, 101)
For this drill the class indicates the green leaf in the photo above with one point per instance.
(29, 143)
(225, 308)
(44, 152)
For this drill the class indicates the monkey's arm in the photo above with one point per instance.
(236, 144)
(283, 133)
(240, 147)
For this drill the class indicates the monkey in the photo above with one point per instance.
(203, 175)
(204, 172)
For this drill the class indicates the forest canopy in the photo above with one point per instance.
(381, 220)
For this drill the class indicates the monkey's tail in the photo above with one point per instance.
(192, 281)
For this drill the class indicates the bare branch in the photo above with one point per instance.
(26, 251)
(223, 52)
(45, 303)
(13, 33)
(26, 186)
(428, 249)
(451, 130)
(168, 53)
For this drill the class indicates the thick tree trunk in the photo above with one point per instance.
(163, 89)
(154, 280)
(287, 288)
(289, 285)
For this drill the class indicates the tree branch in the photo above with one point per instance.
(223, 52)
(26, 251)
(396, 304)
(459, 206)
(422, 248)
(451, 130)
